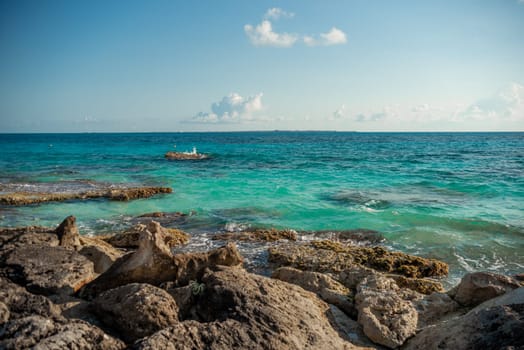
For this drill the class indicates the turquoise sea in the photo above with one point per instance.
(458, 197)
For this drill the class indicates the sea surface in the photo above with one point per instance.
(458, 197)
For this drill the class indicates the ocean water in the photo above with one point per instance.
(458, 197)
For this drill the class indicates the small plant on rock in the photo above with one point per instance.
(197, 288)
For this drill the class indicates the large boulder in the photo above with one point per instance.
(131, 238)
(328, 289)
(37, 332)
(239, 310)
(496, 327)
(48, 270)
(386, 318)
(334, 257)
(136, 310)
(154, 263)
(477, 287)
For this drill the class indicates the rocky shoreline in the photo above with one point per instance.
(60, 289)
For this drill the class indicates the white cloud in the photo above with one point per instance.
(340, 113)
(277, 13)
(263, 35)
(334, 37)
(233, 108)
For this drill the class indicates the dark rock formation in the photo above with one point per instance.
(334, 257)
(136, 310)
(257, 235)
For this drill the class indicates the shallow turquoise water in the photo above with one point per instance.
(458, 197)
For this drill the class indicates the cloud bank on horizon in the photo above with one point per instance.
(264, 35)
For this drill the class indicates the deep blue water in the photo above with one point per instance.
(458, 197)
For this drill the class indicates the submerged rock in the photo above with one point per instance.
(136, 310)
(119, 194)
(185, 156)
(240, 310)
(477, 287)
(334, 257)
(258, 235)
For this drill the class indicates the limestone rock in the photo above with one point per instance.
(498, 327)
(49, 270)
(477, 287)
(386, 318)
(334, 257)
(258, 235)
(153, 263)
(351, 329)
(99, 252)
(68, 233)
(328, 289)
(136, 310)
(38, 332)
(240, 310)
(183, 296)
(131, 238)
(432, 308)
(21, 303)
(4, 313)
(421, 285)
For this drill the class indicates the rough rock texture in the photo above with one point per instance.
(184, 298)
(431, 308)
(185, 156)
(136, 310)
(498, 327)
(38, 332)
(386, 318)
(131, 238)
(351, 329)
(153, 263)
(4, 313)
(516, 296)
(421, 285)
(68, 233)
(21, 303)
(245, 311)
(477, 287)
(119, 194)
(258, 235)
(360, 236)
(99, 252)
(329, 290)
(330, 256)
(48, 270)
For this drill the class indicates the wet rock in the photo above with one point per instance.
(477, 287)
(334, 257)
(45, 333)
(185, 156)
(498, 327)
(239, 310)
(328, 289)
(360, 235)
(136, 310)
(119, 194)
(166, 219)
(21, 303)
(386, 318)
(131, 238)
(68, 233)
(48, 270)
(258, 235)
(153, 263)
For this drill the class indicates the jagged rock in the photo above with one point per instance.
(240, 310)
(498, 327)
(68, 233)
(136, 310)
(131, 238)
(21, 303)
(119, 194)
(38, 332)
(183, 296)
(4, 313)
(386, 318)
(334, 257)
(351, 329)
(421, 285)
(328, 289)
(48, 270)
(477, 287)
(258, 235)
(99, 252)
(153, 263)
(431, 308)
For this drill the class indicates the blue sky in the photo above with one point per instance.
(72, 66)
